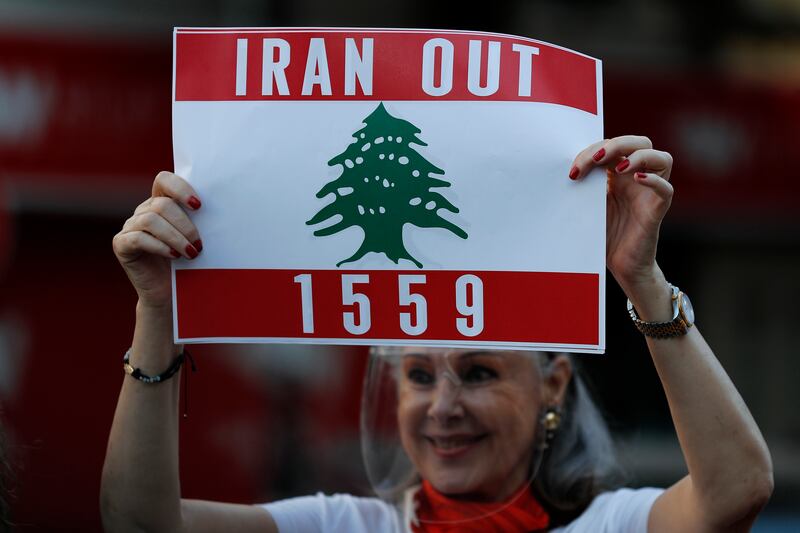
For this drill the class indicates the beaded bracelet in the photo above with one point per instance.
(168, 373)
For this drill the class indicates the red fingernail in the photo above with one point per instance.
(198, 244)
(640, 175)
(194, 202)
(191, 251)
(174, 253)
(598, 155)
(573, 173)
(625, 163)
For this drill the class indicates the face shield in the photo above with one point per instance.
(466, 423)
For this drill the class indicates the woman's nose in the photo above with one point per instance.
(445, 401)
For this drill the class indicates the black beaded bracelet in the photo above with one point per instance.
(168, 373)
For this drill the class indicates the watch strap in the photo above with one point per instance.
(662, 330)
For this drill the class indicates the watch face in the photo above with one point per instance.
(688, 310)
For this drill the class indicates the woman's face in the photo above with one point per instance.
(468, 419)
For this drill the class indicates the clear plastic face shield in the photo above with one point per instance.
(468, 422)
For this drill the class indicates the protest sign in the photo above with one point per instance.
(395, 187)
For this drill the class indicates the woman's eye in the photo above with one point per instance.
(420, 377)
(479, 374)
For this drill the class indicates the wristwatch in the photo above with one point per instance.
(682, 318)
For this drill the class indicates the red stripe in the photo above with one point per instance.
(541, 307)
(206, 67)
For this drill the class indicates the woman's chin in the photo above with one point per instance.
(454, 482)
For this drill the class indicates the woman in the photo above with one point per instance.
(447, 438)
(482, 441)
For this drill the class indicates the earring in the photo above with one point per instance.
(551, 421)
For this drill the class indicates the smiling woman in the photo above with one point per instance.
(457, 412)
(467, 420)
(482, 426)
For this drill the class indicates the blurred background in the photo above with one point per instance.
(85, 126)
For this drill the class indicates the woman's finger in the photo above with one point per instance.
(171, 212)
(177, 188)
(177, 217)
(142, 207)
(607, 153)
(161, 229)
(128, 244)
(620, 147)
(656, 183)
(583, 159)
(648, 160)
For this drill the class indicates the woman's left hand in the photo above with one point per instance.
(639, 195)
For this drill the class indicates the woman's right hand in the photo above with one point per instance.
(159, 231)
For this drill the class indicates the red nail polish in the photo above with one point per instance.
(191, 251)
(174, 253)
(625, 163)
(640, 175)
(198, 244)
(598, 155)
(573, 173)
(194, 202)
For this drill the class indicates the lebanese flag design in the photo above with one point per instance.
(396, 187)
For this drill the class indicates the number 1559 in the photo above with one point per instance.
(468, 288)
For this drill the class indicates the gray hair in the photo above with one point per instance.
(580, 461)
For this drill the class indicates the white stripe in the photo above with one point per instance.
(507, 169)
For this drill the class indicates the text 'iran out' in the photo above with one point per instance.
(438, 56)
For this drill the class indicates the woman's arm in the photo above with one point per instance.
(730, 470)
(140, 488)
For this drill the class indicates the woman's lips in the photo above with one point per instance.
(450, 446)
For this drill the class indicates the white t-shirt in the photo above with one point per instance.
(620, 511)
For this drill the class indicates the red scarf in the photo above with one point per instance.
(436, 513)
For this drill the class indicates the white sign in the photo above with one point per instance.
(389, 187)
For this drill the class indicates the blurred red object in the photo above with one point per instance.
(731, 141)
(79, 110)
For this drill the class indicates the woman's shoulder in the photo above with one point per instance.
(322, 513)
(622, 510)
